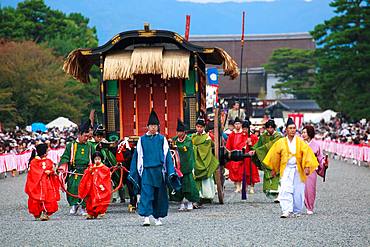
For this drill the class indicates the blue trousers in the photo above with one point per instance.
(153, 201)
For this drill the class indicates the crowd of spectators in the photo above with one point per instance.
(336, 129)
(20, 140)
(340, 131)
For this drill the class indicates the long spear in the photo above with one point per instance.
(244, 191)
(241, 60)
(248, 112)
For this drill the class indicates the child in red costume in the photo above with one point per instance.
(42, 185)
(96, 187)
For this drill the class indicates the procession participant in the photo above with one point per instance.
(42, 185)
(261, 130)
(92, 125)
(98, 134)
(90, 137)
(294, 160)
(75, 159)
(95, 187)
(189, 193)
(251, 170)
(236, 141)
(228, 131)
(108, 159)
(205, 162)
(210, 129)
(123, 157)
(259, 152)
(225, 136)
(151, 166)
(235, 111)
(308, 135)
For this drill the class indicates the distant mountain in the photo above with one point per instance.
(263, 16)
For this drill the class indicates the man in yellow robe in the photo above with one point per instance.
(293, 160)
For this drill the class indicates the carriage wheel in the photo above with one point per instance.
(219, 177)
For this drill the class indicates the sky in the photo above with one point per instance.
(207, 16)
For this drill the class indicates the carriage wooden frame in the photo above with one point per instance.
(139, 87)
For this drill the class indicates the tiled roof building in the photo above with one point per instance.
(257, 51)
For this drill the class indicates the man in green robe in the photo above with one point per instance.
(189, 193)
(101, 145)
(76, 158)
(205, 162)
(260, 150)
(108, 159)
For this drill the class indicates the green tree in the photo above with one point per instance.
(33, 20)
(295, 69)
(33, 86)
(343, 59)
(8, 111)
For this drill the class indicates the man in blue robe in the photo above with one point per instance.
(151, 167)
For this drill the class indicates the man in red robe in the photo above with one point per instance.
(42, 185)
(252, 176)
(237, 140)
(96, 187)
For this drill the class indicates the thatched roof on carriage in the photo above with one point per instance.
(123, 65)
(145, 52)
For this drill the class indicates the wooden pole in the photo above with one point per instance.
(218, 173)
(241, 60)
(165, 108)
(244, 182)
(136, 132)
(197, 85)
(102, 91)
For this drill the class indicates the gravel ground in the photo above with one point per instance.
(342, 218)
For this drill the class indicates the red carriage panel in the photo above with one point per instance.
(158, 98)
(143, 103)
(169, 90)
(175, 105)
(127, 106)
(144, 98)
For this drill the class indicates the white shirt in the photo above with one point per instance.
(292, 162)
(292, 145)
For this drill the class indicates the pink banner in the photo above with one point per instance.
(22, 160)
(2, 163)
(19, 162)
(350, 151)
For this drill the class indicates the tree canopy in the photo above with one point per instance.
(33, 87)
(343, 59)
(337, 73)
(295, 69)
(33, 20)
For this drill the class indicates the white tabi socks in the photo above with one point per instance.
(146, 221)
(158, 222)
